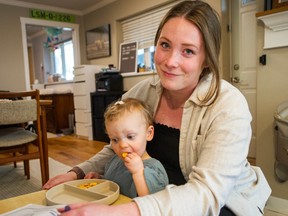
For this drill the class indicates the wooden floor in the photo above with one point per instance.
(71, 150)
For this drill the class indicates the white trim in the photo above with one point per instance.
(28, 21)
(276, 29)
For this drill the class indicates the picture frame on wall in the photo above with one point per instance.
(279, 3)
(98, 42)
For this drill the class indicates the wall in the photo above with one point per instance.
(272, 88)
(12, 75)
(11, 53)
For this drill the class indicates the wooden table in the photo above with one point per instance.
(10, 204)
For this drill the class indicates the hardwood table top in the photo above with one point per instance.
(10, 204)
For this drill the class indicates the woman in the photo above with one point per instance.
(207, 122)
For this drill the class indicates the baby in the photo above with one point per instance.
(129, 125)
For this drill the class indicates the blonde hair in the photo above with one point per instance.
(118, 108)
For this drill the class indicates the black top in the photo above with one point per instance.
(165, 148)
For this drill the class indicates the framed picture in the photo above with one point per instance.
(98, 42)
(128, 57)
(279, 3)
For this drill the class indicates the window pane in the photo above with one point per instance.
(145, 58)
(69, 60)
(58, 61)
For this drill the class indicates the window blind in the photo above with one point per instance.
(142, 28)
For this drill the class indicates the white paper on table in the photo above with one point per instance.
(35, 210)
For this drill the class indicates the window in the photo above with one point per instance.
(142, 28)
(63, 60)
(145, 58)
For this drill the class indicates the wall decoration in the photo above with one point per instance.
(52, 38)
(98, 42)
(128, 57)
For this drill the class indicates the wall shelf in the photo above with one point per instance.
(276, 27)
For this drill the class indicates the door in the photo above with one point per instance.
(244, 56)
(31, 65)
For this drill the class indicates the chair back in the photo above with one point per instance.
(19, 111)
(17, 108)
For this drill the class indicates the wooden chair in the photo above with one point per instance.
(14, 138)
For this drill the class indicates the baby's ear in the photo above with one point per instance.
(150, 133)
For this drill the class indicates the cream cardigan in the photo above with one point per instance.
(214, 143)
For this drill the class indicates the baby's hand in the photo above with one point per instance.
(92, 175)
(133, 162)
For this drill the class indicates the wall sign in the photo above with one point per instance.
(52, 16)
(128, 57)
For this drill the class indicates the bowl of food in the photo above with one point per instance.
(85, 190)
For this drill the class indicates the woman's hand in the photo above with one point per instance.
(99, 209)
(59, 179)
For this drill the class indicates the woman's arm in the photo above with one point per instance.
(99, 210)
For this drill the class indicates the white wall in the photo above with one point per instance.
(272, 88)
(11, 54)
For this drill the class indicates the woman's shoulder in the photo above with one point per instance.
(228, 90)
(144, 90)
(148, 82)
(231, 98)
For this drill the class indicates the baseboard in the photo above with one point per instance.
(277, 205)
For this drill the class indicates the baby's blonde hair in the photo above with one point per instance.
(118, 108)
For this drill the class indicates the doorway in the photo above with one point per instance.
(244, 57)
(29, 21)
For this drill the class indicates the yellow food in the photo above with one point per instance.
(124, 154)
(87, 185)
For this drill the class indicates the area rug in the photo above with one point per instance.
(14, 183)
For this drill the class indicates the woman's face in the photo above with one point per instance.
(179, 55)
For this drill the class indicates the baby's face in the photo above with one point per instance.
(128, 134)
